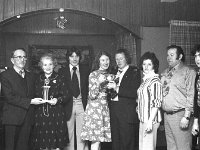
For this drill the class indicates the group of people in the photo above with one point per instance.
(110, 103)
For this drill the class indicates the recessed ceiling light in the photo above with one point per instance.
(61, 9)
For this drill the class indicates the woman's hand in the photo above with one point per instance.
(149, 126)
(52, 101)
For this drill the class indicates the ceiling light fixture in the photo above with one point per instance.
(61, 10)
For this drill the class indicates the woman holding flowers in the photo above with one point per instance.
(96, 121)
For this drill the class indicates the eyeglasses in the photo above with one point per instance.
(20, 57)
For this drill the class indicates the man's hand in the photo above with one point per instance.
(37, 101)
(195, 127)
(184, 123)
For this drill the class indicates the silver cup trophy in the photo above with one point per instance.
(45, 96)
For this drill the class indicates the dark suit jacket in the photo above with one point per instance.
(128, 94)
(18, 97)
(84, 73)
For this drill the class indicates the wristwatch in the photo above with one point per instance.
(188, 118)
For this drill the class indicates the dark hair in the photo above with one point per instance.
(151, 56)
(126, 54)
(12, 53)
(179, 51)
(96, 62)
(71, 51)
(195, 49)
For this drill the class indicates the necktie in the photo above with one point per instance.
(75, 84)
(21, 73)
(117, 79)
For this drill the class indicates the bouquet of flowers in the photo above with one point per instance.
(111, 93)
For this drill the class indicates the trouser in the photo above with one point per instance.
(147, 141)
(177, 138)
(76, 121)
(17, 137)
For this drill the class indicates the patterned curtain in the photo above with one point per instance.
(185, 34)
(127, 41)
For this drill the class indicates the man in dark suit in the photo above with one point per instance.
(18, 89)
(124, 121)
(76, 76)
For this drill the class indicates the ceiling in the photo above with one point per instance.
(74, 22)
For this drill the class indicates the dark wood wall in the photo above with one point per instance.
(129, 13)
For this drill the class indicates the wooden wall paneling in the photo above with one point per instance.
(135, 12)
(42, 4)
(111, 10)
(1, 10)
(55, 4)
(104, 10)
(31, 5)
(20, 6)
(9, 8)
(2, 50)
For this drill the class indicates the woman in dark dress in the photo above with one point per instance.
(50, 128)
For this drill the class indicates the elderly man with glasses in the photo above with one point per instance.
(18, 89)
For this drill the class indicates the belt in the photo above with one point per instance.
(173, 112)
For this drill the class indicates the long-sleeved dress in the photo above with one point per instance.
(50, 128)
(96, 121)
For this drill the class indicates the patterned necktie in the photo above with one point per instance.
(21, 73)
(75, 83)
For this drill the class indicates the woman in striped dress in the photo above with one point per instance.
(149, 102)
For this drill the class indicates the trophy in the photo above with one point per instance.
(45, 96)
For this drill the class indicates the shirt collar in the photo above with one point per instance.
(178, 66)
(70, 67)
(149, 75)
(125, 68)
(17, 69)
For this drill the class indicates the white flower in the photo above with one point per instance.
(54, 81)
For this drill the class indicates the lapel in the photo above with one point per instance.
(28, 81)
(126, 74)
(81, 75)
(16, 80)
(67, 73)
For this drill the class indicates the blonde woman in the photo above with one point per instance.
(50, 128)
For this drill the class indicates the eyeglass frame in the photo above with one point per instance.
(20, 57)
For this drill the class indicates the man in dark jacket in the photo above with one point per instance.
(123, 116)
(18, 89)
(76, 77)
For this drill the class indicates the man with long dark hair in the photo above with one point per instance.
(76, 76)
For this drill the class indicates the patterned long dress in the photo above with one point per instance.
(50, 128)
(96, 121)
